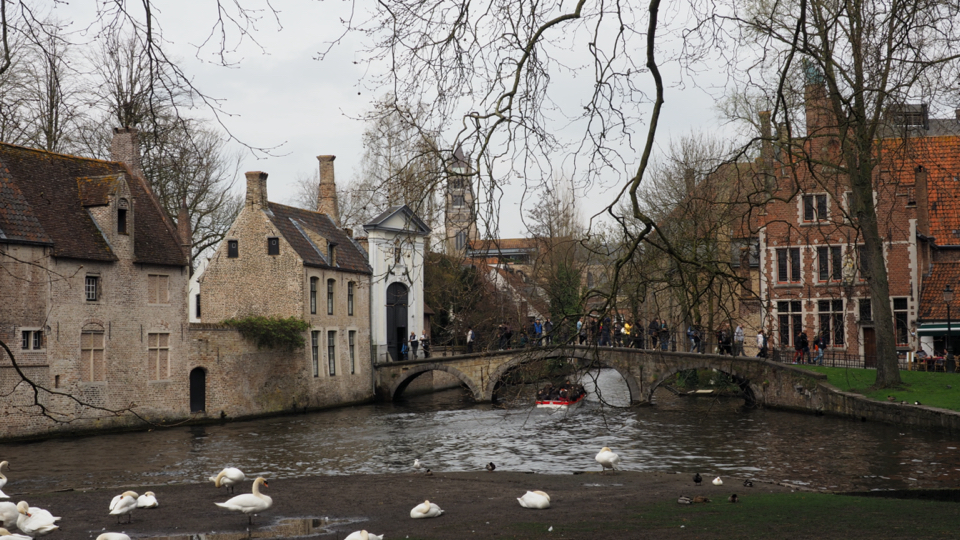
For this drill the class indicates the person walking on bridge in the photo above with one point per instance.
(470, 340)
(738, 341)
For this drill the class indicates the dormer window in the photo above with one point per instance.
(122, 206)
(273, 245)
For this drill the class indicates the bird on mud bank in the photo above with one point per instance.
(125, 503)
(426, 509)
(607, 460)
(697, 479)
(535, 499)
(250, 503)
(229, 477)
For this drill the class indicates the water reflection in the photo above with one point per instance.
(285, 528)
(447, 432)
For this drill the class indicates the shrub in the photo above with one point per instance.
(271, 332)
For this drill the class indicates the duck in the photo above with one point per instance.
(147, 500)
(3, 479)
(4, 533)
(717, 481)
(491, 467)
(684, 500)
(733, 498)
(250, 503)
(426, 509)
(363, 535)
(35, 521)
(697, 479)
(229, 477)
(748, 483)
(607, 459)
(113, 536)
(700, 499)
(125, 503)
(8, 514)
(535, 499)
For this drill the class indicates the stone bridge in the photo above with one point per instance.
(762, 382)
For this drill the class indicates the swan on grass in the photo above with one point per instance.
(35, 521)
(229, 477)
(426, 509)
(250, 503)
(9, 514)
(124, 503)
(147, 500)
(7, 535)
(363, 535)
(3, 479)
(607, 459)
(113, 536)
(535, 499)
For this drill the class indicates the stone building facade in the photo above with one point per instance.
(282, 261)
(92, 294)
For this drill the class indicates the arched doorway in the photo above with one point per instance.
(396, 319)
(198, 390)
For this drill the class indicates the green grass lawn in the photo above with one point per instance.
(941, 390)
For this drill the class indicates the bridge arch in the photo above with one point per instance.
(396, 388)
(579, 353)
(742, 379)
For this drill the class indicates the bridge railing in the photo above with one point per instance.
(834, 359)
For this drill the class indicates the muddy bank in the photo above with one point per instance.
(477, 505)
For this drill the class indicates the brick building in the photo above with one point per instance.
(92, 292)
(282, 261)
(810, 253)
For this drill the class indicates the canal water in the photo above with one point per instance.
(447, 432)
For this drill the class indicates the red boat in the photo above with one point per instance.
(565, 396)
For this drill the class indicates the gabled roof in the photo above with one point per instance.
(398, 219)
(296, 223)
(44, 198)
(932, 307)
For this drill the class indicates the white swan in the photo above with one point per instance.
(7, 535)
(35, 521)
(9, 514)
(717, 481)
(425, 510)
(607, 459)
(229, 477)
(113, 536)
(147, 500)
(535, 499)
(124, 503)
(363, 535)
(3, 479)
(416, 464)
(249, 503)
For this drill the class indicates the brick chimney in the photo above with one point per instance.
(327, 195)
(185, 232)
(256, 189)
(125, 147)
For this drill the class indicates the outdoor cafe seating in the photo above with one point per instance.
(925, 363)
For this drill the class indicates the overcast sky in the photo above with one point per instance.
(283, 97)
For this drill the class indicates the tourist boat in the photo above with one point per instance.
(566, 396)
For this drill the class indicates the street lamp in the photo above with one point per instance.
(947, 298)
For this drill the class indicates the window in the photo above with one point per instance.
(866, 310)
(313, 295)
(330, 296)
(456, 183)
(788, 265)
(198, 305)
(158, 356)
(789, 319)
(273, 245)
(91, 286)
(461, 240)
(350, 286)
(315, 344)
(32, 340)
(829, 263)
(332, 352)
(814, 208)
(352, 336)
(92, 368)
(122, 206)
(457, 200)
(900, 322)
(233, 249)
(158, 291)
(863, 262)
(831, 322)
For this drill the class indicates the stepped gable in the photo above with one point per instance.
(289, 220)
(44, 199)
